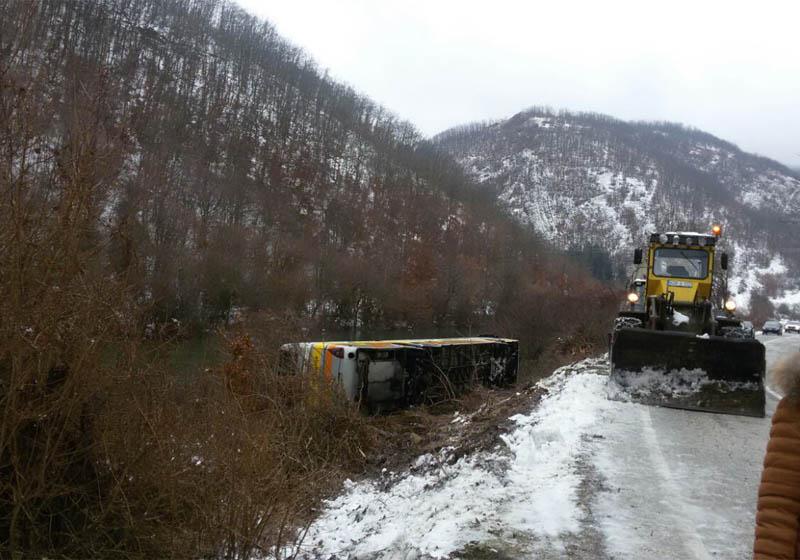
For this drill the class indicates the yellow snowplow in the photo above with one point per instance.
(676, 341)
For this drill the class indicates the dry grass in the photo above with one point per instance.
(103, 451)
(117, 457)
(142, 466)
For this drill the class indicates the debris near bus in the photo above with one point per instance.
(388, 374)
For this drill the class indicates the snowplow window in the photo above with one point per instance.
(680, 263)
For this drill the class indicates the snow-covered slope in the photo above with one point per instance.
(590, 181)
(523, 492)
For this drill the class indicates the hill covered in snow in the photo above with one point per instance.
(595, 185)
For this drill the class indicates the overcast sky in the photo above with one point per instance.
(732, 70)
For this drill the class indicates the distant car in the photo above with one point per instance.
(772, 327)
(747, 327)
(792, 326)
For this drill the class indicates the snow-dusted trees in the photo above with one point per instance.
(589, 181)
(248, 177)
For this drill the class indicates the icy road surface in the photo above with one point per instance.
(578, 477)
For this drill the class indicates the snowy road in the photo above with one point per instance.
(682, 484)
(778, 347)
(579, 477)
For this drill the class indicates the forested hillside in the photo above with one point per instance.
(166, 166)
(598, 185)
(236, 173)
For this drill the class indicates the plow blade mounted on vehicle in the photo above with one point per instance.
(684, 370)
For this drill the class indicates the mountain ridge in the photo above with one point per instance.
(590, 180)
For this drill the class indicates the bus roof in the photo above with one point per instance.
(405, 343)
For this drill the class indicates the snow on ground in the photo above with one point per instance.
(789, 298)
(540, 121)
(527, 487)
(748, 280)
(580, 477)
(633, 386)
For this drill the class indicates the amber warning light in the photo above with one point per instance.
(716, 230)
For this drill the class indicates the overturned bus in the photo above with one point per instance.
(384, 374)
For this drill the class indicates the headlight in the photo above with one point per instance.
(633, 297)
(730, 305)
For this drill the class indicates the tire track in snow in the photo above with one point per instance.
(691, 539)
(678, 485)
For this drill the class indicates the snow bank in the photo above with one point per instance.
(626, 386)
(679, 318)
(528, 487)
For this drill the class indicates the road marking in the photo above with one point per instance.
(692, 541)
(775, 342)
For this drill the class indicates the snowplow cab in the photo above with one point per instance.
(677, 340)
(683, 265)
(678, 273)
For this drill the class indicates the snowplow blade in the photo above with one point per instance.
(683, 370)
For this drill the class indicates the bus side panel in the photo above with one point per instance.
(385, 376)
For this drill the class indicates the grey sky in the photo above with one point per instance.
(728, 68)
